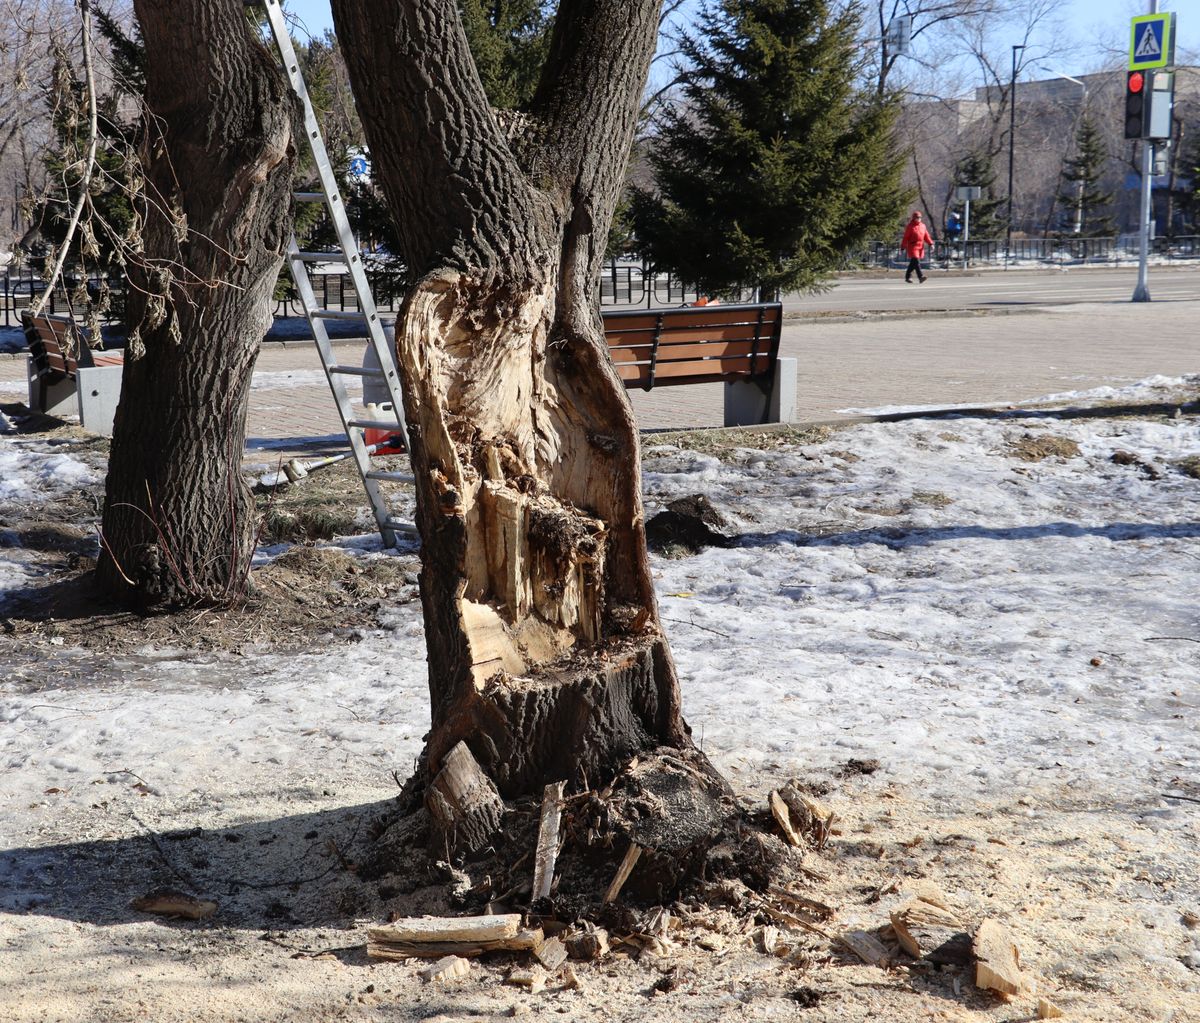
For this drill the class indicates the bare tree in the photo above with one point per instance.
(547, 659)
(179, 523)
(929, 20)
(28, 29)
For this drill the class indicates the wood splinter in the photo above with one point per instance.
(623, 872)
(547, 843)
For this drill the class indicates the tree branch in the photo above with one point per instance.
(85, 181)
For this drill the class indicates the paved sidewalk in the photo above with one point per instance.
(846, 365)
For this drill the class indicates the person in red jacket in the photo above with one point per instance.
(916, 237)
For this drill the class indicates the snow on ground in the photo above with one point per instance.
(1027, 617)
(908, 591)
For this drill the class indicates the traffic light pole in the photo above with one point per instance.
(1142, 292)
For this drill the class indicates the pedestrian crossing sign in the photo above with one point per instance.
(1152, 42)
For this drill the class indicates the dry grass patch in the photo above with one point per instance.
(1035, 447)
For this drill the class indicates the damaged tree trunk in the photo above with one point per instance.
(546, 655)
(179, 523)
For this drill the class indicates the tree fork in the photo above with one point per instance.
(547, 661)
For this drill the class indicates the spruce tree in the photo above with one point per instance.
(776, 163)
(1083, 202)
(987, 212)
(508, 40)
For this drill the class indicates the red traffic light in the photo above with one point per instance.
(1136, 81)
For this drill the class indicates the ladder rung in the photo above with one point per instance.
(309, 196)
(321, 257)
(392, 477)
(337, 314)
(401, 527)
(375, 424)
(356, 371)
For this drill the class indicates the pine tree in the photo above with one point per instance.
(987, 213)
(776, 163)
(1083, 202)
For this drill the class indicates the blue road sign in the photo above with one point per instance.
(1152, 42)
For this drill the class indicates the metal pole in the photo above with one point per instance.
(1142, 292)
(966, 229)
(1012, 134)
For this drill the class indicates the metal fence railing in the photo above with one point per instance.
(627, 283)
(1055, 251)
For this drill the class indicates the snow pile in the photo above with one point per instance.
(28, 473)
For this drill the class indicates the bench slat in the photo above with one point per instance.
(674, 353)
(683, 334)
(690, 316)
(715, 369)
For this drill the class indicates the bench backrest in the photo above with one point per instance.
(695, 344)
(50, 340)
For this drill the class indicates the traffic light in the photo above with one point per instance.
(1137, 105)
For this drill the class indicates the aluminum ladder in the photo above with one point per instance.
(335, 373)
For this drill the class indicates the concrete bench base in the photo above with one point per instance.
(92, 396)
(746, 404)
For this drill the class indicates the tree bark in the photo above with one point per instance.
(179, 523)
(546, 655)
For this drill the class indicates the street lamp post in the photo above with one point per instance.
(1012, 132)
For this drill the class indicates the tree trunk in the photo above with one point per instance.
(179, 522)
(546, 655)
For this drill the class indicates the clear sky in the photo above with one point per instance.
(1092, 24)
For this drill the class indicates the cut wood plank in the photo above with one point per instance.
(525, 941)
(623, 872)
(1048, 1010)
(471, 929)
(464, 802)
(867, 947)
(551, 953)
(547, 843)
(783, 818)
(447, 968)
(997, 960)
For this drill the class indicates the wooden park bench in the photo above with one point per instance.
(66, 377)
(735, 344)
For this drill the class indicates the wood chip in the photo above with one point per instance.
(623, 872)
(167, 902)
(766, 939)
(813, 906)
(1048, 1010)
(533, 978)
(997, 960)
(571, 979)
(783, 818)
(809, 816)
(867, 947)
(470, 929)
(588, 943)
(551, 953)
(547, 843)
(920, 926)
(446, 968)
